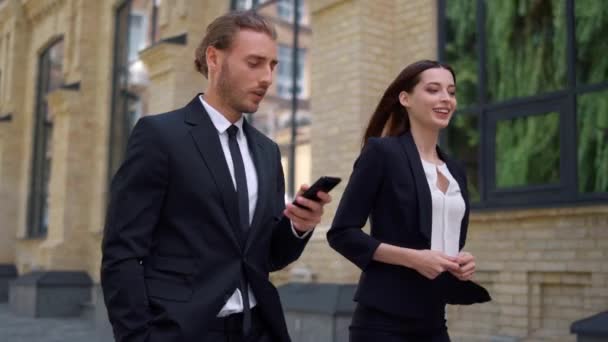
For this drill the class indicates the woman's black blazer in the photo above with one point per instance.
(389, 186)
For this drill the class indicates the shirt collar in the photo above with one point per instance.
(219, 121)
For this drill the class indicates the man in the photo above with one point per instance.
(197, 217)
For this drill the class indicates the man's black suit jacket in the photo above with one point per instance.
(172, 252)
(389, 186)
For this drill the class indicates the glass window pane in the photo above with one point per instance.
(285, 73)
(462, 138)
(592, 126)
(241, 5)
(528, 150)
(50, 77)
(460, 48)
(526, 48)
(591, 20)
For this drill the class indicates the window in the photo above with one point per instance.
(137, 34)
(243, 5)
(135, 29)
(532, 121)
(50, 77)
(285, 9)
(285, 71)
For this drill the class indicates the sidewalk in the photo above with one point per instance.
(24, 329)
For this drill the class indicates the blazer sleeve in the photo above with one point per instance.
(285, 247)
(346, 235)
(137, 194)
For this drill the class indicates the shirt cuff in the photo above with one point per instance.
(297, 234)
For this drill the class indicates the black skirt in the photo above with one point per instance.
(370, 325)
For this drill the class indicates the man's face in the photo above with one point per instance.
(246, 71)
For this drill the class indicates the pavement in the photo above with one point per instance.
(15, 328)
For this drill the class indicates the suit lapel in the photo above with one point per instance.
(207, 141)
(261, 165)
(423, 193)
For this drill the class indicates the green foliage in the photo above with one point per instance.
(592, 124)
(592, 41)
(527, 150)
(526, 47)
(461, 48)
(526, 56)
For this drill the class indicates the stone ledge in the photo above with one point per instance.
(50, 293)
(8, 272)
(518, 214)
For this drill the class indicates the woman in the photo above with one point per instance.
(416, 198)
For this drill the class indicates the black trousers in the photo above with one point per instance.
(371, 325)
(230, 329)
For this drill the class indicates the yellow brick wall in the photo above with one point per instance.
(545, 269)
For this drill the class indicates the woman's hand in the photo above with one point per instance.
(431, 263)
(467, 266)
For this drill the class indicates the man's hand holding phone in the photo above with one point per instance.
(307, 208)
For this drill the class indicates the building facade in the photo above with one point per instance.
(532, 129)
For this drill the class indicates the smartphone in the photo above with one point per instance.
(324, 184)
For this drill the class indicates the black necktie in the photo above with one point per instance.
(239, 176)
(243, 198)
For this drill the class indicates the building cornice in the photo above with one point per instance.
(36, 9)
(525, 214)
(161, 57)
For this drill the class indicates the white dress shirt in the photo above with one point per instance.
(448, 210)
(235, 302)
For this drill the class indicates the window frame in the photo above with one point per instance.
(42, 133)
(118, 130)
(285, 71)
(486, 112)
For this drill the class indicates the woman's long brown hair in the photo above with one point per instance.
(390, 118)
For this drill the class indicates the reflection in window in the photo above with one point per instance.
(50, 77)
(285, 71)
(137, 34)
(592, 133)
(135, 29)
(242, 5)
(526, 48)
(591, 20)
(528, 150)
(462, 140)
(460, 48)
(285, 9)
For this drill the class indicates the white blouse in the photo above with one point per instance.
(448, 210)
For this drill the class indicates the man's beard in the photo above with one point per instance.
(228, 92)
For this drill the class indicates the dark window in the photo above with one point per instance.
(135, 29)
(50, 77)
(119, 128)
(532, 120)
